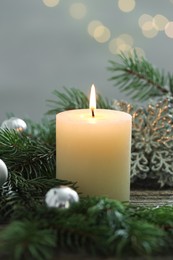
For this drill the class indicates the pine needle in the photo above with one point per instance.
(139, 79)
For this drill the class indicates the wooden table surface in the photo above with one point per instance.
(151, 197)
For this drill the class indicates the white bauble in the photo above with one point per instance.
(14, 123)
(3, 173)
(61, 197)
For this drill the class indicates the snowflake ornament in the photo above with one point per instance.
(152, 141)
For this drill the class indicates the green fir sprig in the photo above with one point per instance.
(19, 192)
(140, 79)
(27, 155)
(94, 226)
(74, 98)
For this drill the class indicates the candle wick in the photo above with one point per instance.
(92, 110)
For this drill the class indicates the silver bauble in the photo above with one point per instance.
(3, 173)
(61, 197)
(14, 123)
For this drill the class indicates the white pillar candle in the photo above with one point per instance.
(94, 150)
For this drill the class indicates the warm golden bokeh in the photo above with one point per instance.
(51, 3)
(98, 31)
(123, 43)
(169, 29)
(92, 26)
(150, 33)
(159, 22)
(101, 34)
(139, 51)
(78, 10)
(126, 6)
(150, 26)
(144, 19)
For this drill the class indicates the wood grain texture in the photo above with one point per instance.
(151, 197)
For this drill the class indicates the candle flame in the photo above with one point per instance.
(92, 104)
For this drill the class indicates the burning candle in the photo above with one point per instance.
(93, 148)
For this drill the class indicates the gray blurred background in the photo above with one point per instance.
(48, 44)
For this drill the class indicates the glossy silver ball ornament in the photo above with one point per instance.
(3, 173)
(14, 123)
(61, 197)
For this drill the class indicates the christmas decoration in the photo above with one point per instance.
(95, 226)
(152, 137)
(139, 78)
(3, 173)
(61, 197)
(152, 141)
(14, 123)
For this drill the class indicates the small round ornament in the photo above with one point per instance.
(61, 197)
(3, 173)
(14, 123)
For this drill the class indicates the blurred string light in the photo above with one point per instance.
(102, 34)
(51, 3)
(98, 31)
(139, 51)
(78, 11)
(147, 26)
(169, 29)
(159, 22)
(126, 5)
(92, 26)
(150, 25)
(125, 43)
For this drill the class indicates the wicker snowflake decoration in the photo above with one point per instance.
(152, 141)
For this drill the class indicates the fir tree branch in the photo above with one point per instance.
(98, 226)
(27, 240)
(170, 83)
(139, 78)
(44, 131)
(73, 99)
(28, 156)
(19, 192)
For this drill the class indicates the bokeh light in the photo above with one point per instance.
(102, 34)
(78, 10)
(150, 33)
(159, 22)
(113, 46)
(147, 26)
(92, 26)
(123, 43)
(152, 25)
(146, 23)
(98, 31)
(139, 51)
(144, 19)
(169, 29)
(126, 38)
(126, 6)
(123, 48)
(51, 3)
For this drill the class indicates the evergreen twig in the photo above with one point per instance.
(44, 131)
(96, 226)
(18, 192)
(139, 78)
(26, 240)
(73, 98)
(26, 155)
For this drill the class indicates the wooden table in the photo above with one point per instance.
(151, 197)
